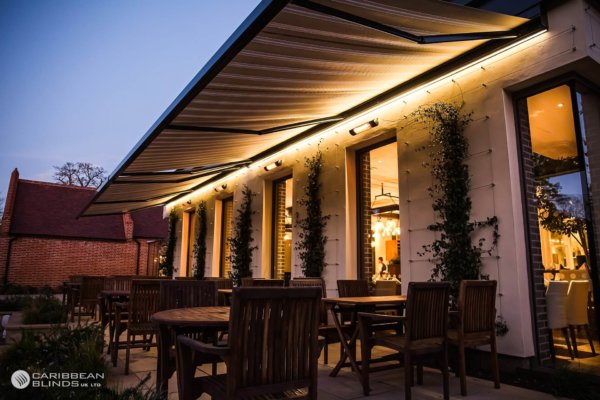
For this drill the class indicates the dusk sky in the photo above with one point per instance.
(84, 80)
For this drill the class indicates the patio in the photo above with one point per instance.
(385, 385)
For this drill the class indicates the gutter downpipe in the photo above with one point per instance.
(7, 264)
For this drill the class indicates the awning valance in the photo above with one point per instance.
(291, 68)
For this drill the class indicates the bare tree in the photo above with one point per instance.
(2, 199)
(80, 174)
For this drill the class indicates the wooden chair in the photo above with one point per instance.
(71, 293)
(185, 278)
(143, 302)
(221, 283)
(475, 322)
(268, 283)
(326, 331)
(577, 312)
(89, 293)
(187, 293)
(352, 288)
(556, 307)
(247, 282)
(272, 348)
(425, 325)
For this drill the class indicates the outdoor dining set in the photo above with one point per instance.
(269, 333)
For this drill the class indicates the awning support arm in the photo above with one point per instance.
(456, 37)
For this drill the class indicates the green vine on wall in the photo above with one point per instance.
(200, 244)
(456, 253)
(167, 261)
(311, 246)
(241, 249)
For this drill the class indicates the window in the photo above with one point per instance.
(190, 226)
(226, 234)
(281, 259)
(379, 215)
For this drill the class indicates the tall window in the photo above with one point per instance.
(562, 248)
(226, 234)
(190, 217)
(379, 215)
(281, 260)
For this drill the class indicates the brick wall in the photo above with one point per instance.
(279, 216)
(533, 232)
(364, 189)
(50, 261)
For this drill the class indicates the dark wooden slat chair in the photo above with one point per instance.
(351, 288)
(268, 283)
(386, 288)
(143, 302)
(425, 325)
(326, 331)
(272, 350)
(475, 325)
(89, 293)
(71, 293)
(221, 283)
(187, 293)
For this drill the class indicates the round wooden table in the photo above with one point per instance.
(172, 322)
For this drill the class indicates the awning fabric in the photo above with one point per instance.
(290, 67)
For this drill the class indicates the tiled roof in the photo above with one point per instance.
(49, 209)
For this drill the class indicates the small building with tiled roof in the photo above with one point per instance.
(43, 240)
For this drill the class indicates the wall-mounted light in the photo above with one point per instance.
(273, 165)
(221, 188)
(364, 127)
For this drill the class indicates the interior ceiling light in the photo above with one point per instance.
(364, 127)
(273, 165)
(220, 188)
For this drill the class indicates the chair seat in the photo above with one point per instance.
(398, 343)
(470, 339)
(141, 328)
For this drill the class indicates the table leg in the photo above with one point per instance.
(163, 367)
(346, 348)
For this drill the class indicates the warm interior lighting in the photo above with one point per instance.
(273, 165)
(364, 127)
(560, 105)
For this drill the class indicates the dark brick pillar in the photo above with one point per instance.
(536, 272)
(279, 217)
(364, 209)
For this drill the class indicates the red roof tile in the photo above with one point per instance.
(150, 224)
(50, 209)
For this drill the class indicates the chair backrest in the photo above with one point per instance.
(385, 288)
(268, 283)
(91, 286)
(75, 278)
(186, 278)
(314, 282)
(577, 301)
(477, 306)
(221, 283)
(427, 310)
(122, 282)
(109, 282)
(353, 288)
(556, 304)
(273, 339)
(247, 282)
(143, 300)
(187, 293)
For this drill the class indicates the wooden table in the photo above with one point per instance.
(172, 322)
(107, 299)
(354, 305)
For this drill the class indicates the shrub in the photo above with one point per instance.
(44, 309)
(241, 242)
(14, 303)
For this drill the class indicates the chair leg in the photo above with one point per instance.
(408, 375)
(589, 337)
(419, 372)
(127, 353)
(494, 355)
(365, 351)
(326, 352)
(462, 369)
(565, 332)
(116, 343)
(574, 340)
(445, 373)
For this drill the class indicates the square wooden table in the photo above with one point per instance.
(172, 322)
(354, 305)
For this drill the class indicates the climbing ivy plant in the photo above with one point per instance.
(311, 246)
(241, 242)
(456, 253)
(167, 261)
(200, 244)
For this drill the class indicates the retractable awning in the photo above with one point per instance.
(293, 67)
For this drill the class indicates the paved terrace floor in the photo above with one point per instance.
(385, 385)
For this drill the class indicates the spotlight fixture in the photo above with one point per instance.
(220, 188)
(273, 165)
(364, 127)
